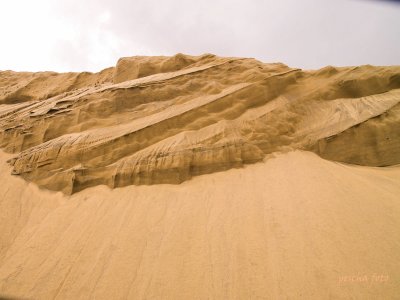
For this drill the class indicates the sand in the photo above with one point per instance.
(172, 118)
(200, 178)
(293, 227)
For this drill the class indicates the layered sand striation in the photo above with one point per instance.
(156, 120)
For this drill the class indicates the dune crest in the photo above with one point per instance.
(156, 120)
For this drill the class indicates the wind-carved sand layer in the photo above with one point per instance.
(156, 120)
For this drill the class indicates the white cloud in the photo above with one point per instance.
(90, 35)
(104, 17)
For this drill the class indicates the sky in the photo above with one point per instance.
(90, 35)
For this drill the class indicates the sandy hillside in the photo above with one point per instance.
(200, 177)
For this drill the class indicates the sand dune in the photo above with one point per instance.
(200, 177)
(177, 117)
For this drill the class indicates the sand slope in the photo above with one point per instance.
(291, 227)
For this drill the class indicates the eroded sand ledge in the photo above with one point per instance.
(157, 120)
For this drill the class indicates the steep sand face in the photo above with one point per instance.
(157, 120)
(292, 227)
(374, 142)
(111, 200)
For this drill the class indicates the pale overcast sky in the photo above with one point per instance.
(89, 35)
